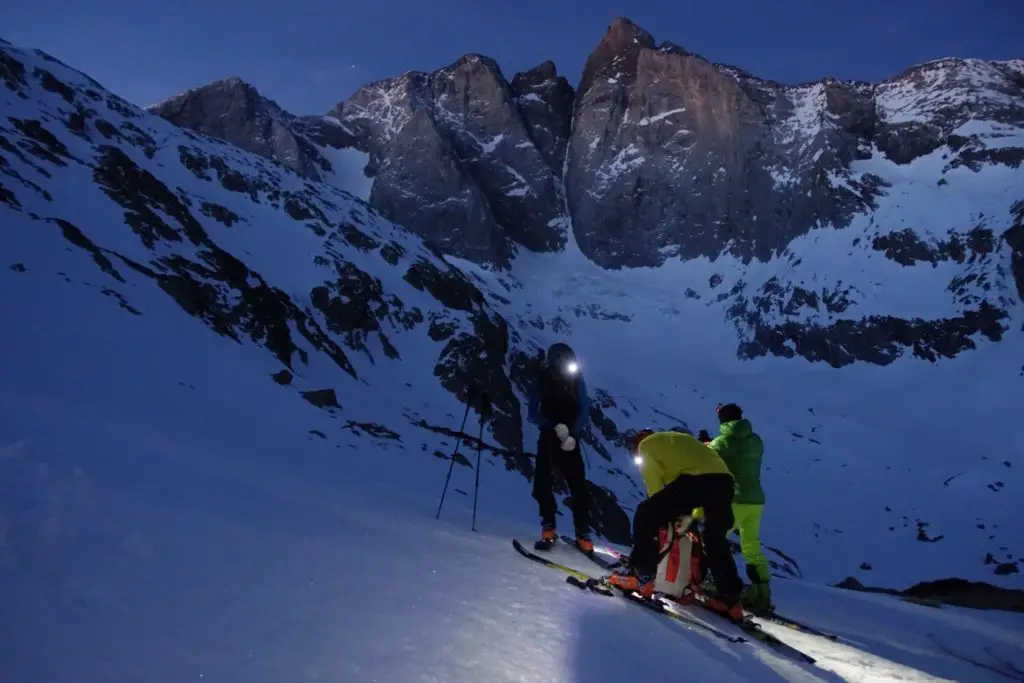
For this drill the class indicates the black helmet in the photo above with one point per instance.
(729, 412)
(562, 358)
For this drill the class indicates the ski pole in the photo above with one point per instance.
(458, 443)
(485, 415)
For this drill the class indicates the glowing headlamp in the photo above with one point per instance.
(572, 368)
(638, 460)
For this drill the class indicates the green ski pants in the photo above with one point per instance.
(748, 524)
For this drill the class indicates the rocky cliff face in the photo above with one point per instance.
(460, 163)
(662, 156)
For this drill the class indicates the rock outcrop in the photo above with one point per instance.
(457, 161)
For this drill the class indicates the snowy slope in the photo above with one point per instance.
(311, 285)
(171, 554)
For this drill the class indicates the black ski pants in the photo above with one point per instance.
(714, 493)
(570, 463)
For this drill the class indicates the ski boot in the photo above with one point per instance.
(548, 536)
(686, 599)
(757, 597)
(630, 580)
(584, 544)
(730, 608)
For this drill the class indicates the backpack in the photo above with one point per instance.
(681, 559)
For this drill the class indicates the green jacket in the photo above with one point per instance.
(742, 449)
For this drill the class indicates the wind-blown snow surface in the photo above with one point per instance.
(169, 513)
(206, 556)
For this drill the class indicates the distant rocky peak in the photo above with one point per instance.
(235, 111)
(231, 91)
(851, 107)
(472, 63)
(615, 56)
(623, 33)
(545, 101)
(542, 76)
(946, 93)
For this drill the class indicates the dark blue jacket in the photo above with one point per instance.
(547, 422)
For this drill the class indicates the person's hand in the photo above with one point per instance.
(561, 431)
(569, 444)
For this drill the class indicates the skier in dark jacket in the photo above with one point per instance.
(560, 408)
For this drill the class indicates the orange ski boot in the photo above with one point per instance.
(686, 599)
(730, 609)
(628, 580)
(548, 536)
(584, 543)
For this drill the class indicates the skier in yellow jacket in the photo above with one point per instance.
(682, 474)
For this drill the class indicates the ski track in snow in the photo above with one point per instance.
(166, 513)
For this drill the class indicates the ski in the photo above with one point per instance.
(597, 557)
(586, 582)
(655, 606)
(582, 577)
(781, 620)
(754, 630)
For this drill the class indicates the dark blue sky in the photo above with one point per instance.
(308, 54)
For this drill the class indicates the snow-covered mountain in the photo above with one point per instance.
(353, 313)
(660, 156)
(147, 260)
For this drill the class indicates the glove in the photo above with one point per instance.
(562, 432)
(703, 436)
(569, 444)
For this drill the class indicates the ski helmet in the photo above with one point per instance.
(729, 412)
(561, 357)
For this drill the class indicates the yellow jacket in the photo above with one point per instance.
(666, 455)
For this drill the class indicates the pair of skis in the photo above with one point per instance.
(584, 581)
(764, 615)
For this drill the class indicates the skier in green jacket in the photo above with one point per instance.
(741, 449)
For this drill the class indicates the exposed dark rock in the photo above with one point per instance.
(282, 377)
(545, 101)
(457, 161)
(234, 111)
(976, 594)
(372, 429)
(904, 142)
(1014, 237)
(322, 398)
(261, 312)
(219, 213)
(354, 304)
(672, 156)
(607, 517)
(875, 339)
